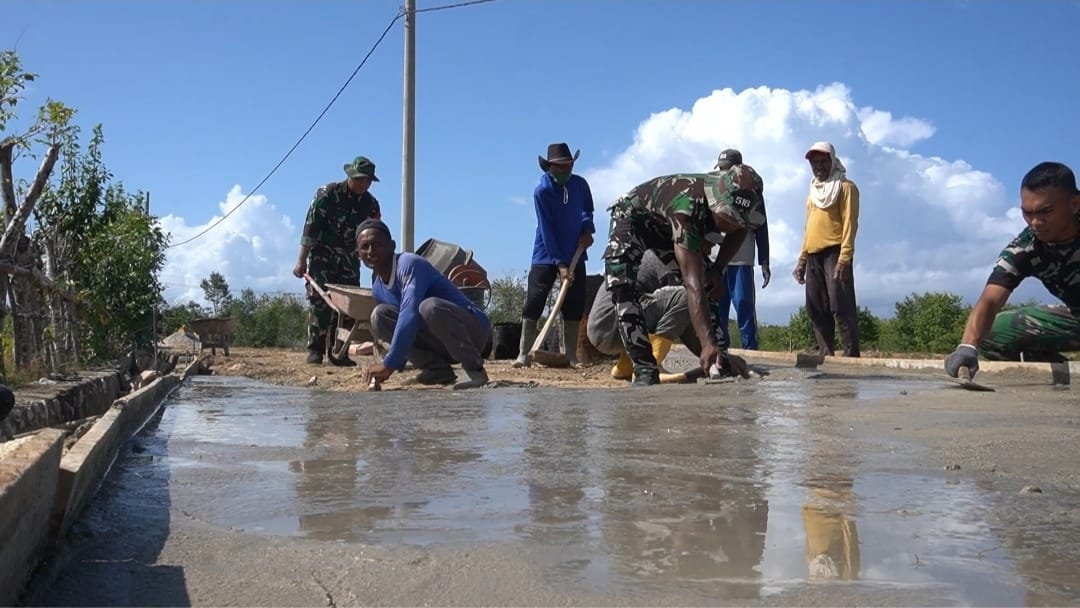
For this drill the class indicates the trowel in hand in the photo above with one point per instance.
(964, 381)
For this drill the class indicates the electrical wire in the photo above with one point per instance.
(302, 137)
(398, 16)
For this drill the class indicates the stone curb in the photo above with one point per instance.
(49, 488)
(937, 364)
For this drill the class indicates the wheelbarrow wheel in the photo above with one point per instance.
(338, 354)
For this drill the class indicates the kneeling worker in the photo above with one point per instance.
(424, 317)
(667, 317)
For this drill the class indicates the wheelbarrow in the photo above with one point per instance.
(214, 333)
(353, 305)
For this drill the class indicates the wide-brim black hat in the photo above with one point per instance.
(557, 154)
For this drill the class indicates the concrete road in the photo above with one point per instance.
(834, 486)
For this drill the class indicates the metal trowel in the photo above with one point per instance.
(964, 381)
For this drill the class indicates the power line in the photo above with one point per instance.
(446, 6)
(296, 145)
(398, 16)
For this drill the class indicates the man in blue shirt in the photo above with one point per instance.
(424, 317)
(739, 274)
(564, 223)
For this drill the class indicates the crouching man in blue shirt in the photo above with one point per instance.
(426, 320)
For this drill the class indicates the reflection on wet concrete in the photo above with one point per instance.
(737, 494)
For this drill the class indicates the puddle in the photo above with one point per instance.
(676, 489)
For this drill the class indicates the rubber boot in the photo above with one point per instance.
(624, 369)
(570, 339)
(528, 336)
(661, 346)
(316, 348)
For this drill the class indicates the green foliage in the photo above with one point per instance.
(932, 322)
(53, 121)
(507, 299)
(173, 317)
(268, 320)
(798, 334)
(100, 240)
(117, 270)
(216, 289)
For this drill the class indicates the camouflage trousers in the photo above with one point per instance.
(1036, 333)
(631, 234)
(321, 318)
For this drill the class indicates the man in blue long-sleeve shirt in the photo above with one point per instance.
(424, 317)
(739, 274)
(564, 223)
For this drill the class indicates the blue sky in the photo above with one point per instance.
(938, 109)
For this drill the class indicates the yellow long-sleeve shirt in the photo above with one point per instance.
(835, 225)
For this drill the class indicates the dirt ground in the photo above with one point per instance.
(289, 368)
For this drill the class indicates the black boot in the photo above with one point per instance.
(316, 348)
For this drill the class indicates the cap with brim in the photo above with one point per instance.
(361, 167)
(733, 193)
(821, 147)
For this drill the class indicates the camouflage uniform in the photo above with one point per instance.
(647, 218)
(330, 231)
(1040, 333)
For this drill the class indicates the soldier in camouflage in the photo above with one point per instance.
(1048, 249)
(676, 217)
(328, 246)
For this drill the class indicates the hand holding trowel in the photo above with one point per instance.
(961, 367)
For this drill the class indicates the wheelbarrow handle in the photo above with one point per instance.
(322, 293)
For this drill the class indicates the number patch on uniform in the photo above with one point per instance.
(742, 201)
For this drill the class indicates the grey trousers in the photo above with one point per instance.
(448, 334)
(666, 314)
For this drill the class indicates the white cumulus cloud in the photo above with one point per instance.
(926, 223)
(254, 248)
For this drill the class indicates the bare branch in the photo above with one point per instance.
(38, 277)
(7, 180)
(17, 224)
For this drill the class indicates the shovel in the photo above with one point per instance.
(548, 358)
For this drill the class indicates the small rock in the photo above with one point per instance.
(952, 467)
(1031, 490)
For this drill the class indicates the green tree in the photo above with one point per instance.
(265, 320)
(931, 322)
(216, 289)
(507, 299)
(799, 333)
(20, 274)
(173, 317)
(118, 269)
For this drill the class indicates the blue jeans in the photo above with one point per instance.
(739, 290)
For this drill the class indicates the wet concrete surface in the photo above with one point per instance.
(796, 488)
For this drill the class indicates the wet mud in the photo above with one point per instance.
(810, 487)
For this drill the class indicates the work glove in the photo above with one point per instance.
(766, 275)
(965, 355)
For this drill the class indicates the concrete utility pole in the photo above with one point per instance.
(408, 131)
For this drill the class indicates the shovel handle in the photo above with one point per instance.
(563, 290)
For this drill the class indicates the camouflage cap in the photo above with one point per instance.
(736, 193)
(361, 166)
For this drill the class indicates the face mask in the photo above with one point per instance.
(561, 178)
